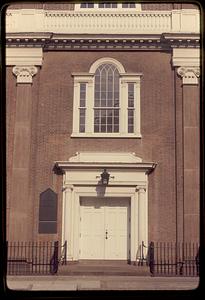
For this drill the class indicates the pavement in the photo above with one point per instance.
(84, 282)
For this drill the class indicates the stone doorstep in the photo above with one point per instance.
(98, 270)
(108, 283)
(89, 285)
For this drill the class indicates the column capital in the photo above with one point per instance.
(189, 75)
(141, 188)
(70, 187)
(24, 74)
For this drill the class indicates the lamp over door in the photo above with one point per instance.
(105, 176)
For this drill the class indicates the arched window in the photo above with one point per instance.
(106, 101)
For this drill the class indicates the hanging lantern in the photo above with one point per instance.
(105, 177)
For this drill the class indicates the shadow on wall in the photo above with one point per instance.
(100, 189)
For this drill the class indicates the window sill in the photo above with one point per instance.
(106, 135)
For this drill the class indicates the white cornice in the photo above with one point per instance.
(100, 160)
(64, 165)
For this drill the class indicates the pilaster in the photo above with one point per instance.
(25, 62)
(21, 211)
(142, 215)
(188, 69)
(68, 220)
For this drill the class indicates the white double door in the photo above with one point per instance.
(104, 228)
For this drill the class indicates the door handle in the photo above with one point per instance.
(106, 233)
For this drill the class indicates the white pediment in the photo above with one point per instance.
(105, 157)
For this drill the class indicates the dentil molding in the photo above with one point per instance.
(189, 75)
(24, 74)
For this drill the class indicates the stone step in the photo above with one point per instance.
(95, 270)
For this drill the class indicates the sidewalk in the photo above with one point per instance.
(74, 283)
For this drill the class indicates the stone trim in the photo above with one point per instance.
(141, 188)
(185, 57)
(24, 56)
(77, 22)
(24, 74)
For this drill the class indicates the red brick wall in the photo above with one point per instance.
(52, 126)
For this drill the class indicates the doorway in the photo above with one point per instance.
(104, 228)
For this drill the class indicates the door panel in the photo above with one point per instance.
(116, 220)
(99, 216)
(92, 232)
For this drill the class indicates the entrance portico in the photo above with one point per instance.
(105, 222)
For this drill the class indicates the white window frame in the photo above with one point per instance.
(88, 78)
(97, 9)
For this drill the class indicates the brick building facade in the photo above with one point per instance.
(54, 191)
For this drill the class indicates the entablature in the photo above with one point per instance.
(116, 42)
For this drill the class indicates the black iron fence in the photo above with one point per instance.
(173, 259)
(34, 258)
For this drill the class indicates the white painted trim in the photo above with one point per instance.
(137, 123)
(142, 220)
(92, 165)
(105, 21)
(89, 121)
(186, 20)
(76, 99)
(113, 157)
(106, 135)
(121, 192)
(81, 177)
(123, 128)
(24, 56)
(186, 57)
(106, 60)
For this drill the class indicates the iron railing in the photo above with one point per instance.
(37, 258)
(173, 259)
